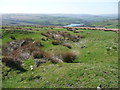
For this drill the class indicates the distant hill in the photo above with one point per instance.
(90, 18)
(53, 19)
(39, 19)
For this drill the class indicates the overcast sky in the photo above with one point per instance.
(60, 6)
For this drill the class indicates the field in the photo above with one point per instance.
(82, 58)
(58, 19)
(107, 24)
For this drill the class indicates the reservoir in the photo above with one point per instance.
(74, 25)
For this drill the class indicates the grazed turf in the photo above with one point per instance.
(97, 63)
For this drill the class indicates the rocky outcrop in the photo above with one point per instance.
(14, 45)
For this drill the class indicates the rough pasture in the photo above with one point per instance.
(87, 63)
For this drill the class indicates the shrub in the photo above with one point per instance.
(31, 78)
(56, 42)
(55, 60)
(27, 41)
(38, 54)
(13, 37)
(30, 48)
(11, 62)
(38, 43)
(47, 55)
(41, 54)
(44, 34)
(67, 45)
(80, 36)
(114, 47)
(76, 31)
(44, 39)
(108, 49)
(69, 57)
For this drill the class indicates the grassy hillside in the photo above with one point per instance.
(96, 62)
(39, 19)
(107, 24)
(53, 19)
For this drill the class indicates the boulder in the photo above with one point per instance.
(6, 49)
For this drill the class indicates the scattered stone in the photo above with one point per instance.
(8, 48)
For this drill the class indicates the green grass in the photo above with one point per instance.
(96, 64)
(107, 24)
(64, 75)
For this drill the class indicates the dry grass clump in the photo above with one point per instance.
(67, 45)
(38, 43)
(45, 34)
(55, 60)
(69, 57)
(70, 29)
(38, 54)
(32, 46)
(79, 36)
(56, 42)
(47, 55)
(27, 41)
(11, 61)
(41, 54)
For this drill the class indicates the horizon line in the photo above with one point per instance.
(65, 13)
